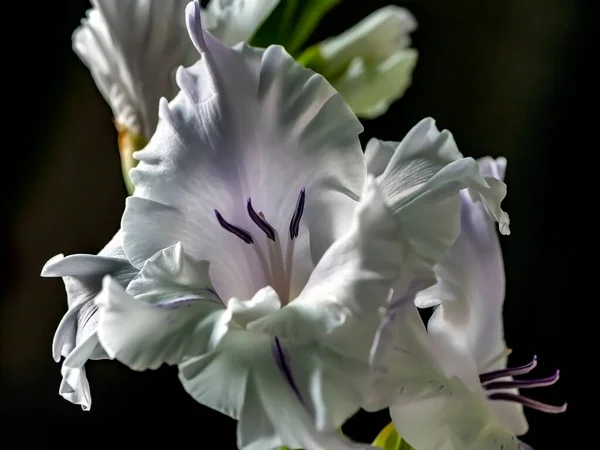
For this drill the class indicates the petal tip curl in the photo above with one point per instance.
(193, 22)
(49, 269)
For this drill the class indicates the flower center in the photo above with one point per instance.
(277, 269)
(494, 384)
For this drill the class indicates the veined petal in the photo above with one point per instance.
(258, 392)
(132, 48)
(248, 123)
(353, 278)
(421, 185)
(429, 408)
(234, 21)
(452, 418)
(371, 90)
(74, 386)
(300, 372)
(75, 337)
(336, 316)
(471, 284)
(470, 290)
(168, 311)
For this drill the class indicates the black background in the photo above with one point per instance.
(507, 78)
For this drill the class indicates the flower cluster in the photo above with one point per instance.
(278, 265)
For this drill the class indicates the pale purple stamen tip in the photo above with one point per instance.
(261, 222)
(530, 403)
(239, 232)
(509, 372)
(523, 384)
(295, 222)
(280, 359)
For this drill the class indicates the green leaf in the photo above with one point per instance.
(291, 23)
(277, 28)
(389, 439)
(312, 13)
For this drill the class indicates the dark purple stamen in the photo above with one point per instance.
(522, 384)
(261, 222)
(530, 403)
(280, 359)
(509, 372)
(239, 232)
(295, 222)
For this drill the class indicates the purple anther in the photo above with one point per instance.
(530, 403)
(261, 222)
(239, 232)
(522, 384)
(295, 222)
(509, 372)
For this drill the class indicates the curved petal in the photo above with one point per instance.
(421, 185)
(75, 337)
(471, 285)
(310, 375)
(378, 155)
(450, 418)
(468, 323)
(336, 316)
(168, 311)
(353, 278)
(259, 393)
(234, 21)
(429, 408)
(247, 123)
(74, 386)
(132, 49)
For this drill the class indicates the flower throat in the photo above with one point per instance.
(277, 272)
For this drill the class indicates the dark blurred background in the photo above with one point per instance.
(506, 77)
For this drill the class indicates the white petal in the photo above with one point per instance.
(174, 313)
(510, 415)
(171, 274)
(339, 310)
(233, 21)
(468, 326)
(325, 334)
(270, 411)
(378, 155)
(202, 375)
(75, 337)
(471, 285)
(74, 386)
(132, 48)
(248, 123)
(421, 186)
(429, 409)
(354, 277)
(450, 418)
(370, 90)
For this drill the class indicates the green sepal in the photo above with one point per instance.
(291, 23)
(389, 439)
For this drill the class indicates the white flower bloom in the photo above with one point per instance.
(76, 338)
(264, 250)
(458, 393)
(371, 63)
(132, 48)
